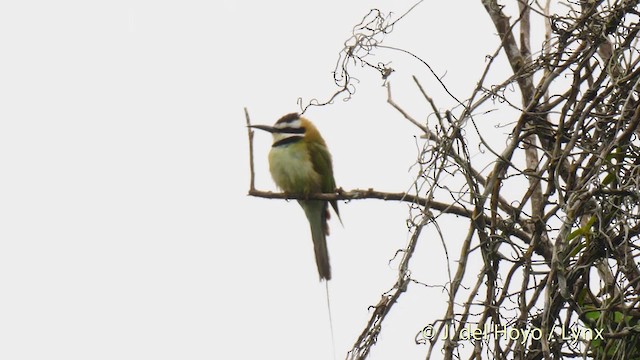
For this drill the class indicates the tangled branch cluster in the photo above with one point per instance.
(575, 143)
(577, 132)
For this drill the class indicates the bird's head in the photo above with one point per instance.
(291, 128)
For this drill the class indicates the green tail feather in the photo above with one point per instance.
(316, 212)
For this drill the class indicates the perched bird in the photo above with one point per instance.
(300, 164)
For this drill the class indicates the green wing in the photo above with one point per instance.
(321, 159)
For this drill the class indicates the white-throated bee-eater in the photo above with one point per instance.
(300, 163)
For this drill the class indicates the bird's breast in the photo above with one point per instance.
(292, 169)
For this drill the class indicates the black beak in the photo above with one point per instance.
(263, 127)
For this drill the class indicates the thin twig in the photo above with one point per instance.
(252, 184)
(404, 113)
(435, 109)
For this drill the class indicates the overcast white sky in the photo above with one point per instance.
(125, 229)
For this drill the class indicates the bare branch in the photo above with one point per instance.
(252, 183)
(369, 335)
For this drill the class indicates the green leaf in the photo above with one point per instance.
(575, 233)
(619, 317)
(577, 249)
(609, 179)
(592, 315)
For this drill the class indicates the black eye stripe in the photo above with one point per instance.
(290, 130)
